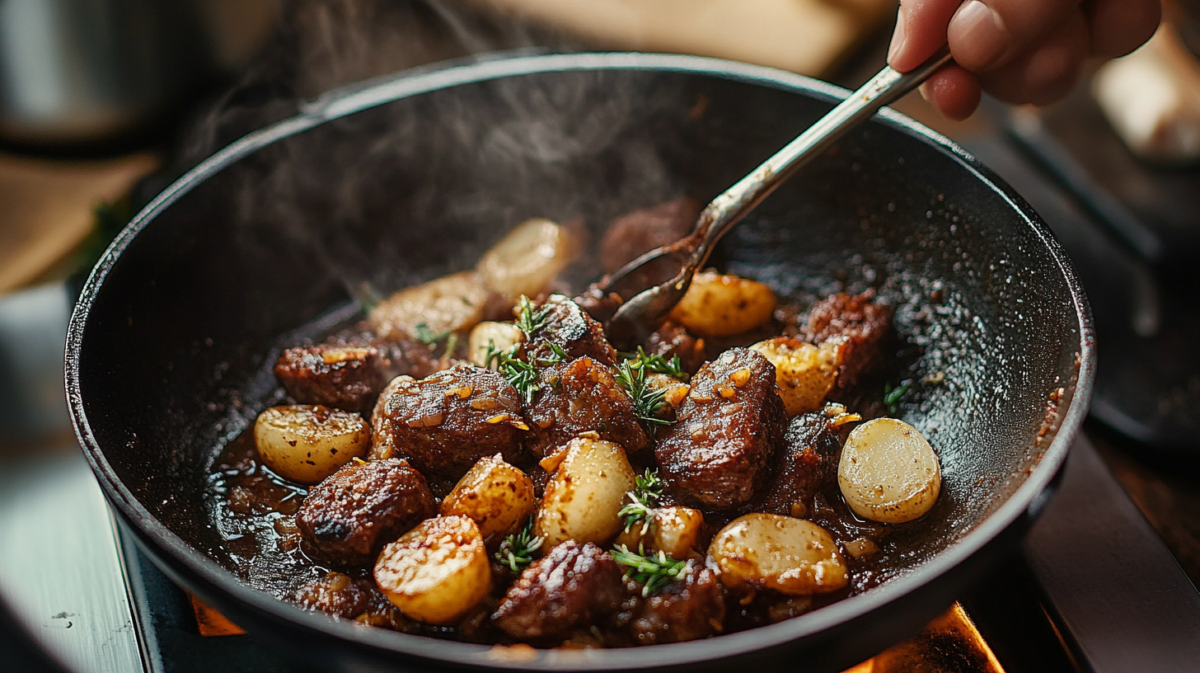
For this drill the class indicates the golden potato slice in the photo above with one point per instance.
(889, 472)
(499, 335)
(493, 494)
(306, 443)
(672, 530)
(721, 305)
(452, 303)
(528, 259)
(585, 494)
(804, 373)
(437, 571)
(770, 551)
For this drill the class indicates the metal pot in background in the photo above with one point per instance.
(82, 72)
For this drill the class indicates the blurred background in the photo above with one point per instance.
(103, 103)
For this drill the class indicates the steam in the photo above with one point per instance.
(445, 175)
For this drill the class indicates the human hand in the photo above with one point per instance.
(1020, 51)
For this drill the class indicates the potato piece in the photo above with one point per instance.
(770, 551)
(585, 494)
(889, 472)
(452, 303)
(308, 443)
(804, 373)
(493, 494)
(499, 335)
(672, 530)
(437, 571)
(721, 305)
(527, 260)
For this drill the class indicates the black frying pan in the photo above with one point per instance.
(411, 177)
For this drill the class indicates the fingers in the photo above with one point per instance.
(1048, 70)
(986, 34)
(920, 31)
(953, 91)
(1120, 26)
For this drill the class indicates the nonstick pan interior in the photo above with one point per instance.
(407, 179)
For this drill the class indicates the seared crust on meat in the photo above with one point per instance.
(812, 446)
(443, 424)
(634, 234)
(863, 329)
(721, 449)
(349, 517)
(687, 609)
(344, 377)
(572, 585)
(581, 396)
(571, 329)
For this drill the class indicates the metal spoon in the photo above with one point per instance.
(656, 281)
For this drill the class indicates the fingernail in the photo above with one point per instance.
(897, 36)
(977, 36)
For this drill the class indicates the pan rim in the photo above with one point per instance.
(1025, 501)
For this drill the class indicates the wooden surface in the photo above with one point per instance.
(804, 36)
(47, 209)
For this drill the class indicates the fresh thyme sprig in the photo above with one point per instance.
(653, 572)
(517, 550)
(631, 375)
(557, 354)
(652, 362)
(892, 396)
(529, 319)
(522, 375)
(646, 491)
(428, 336)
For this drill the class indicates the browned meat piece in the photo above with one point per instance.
(812, 446)
(596, 303)
(571, 329)
(580, 396)
(572, 585)
(335, 376)
(443, 424)
(864, 329)
(721, 448)
(673, 339)
(349, 517)
(639, 232)
(686, 609)
(337, 595)
(396, 357)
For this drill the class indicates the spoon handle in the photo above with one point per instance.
(884, 88)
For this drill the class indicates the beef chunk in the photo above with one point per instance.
(721, 448)
(639, 232)
(863, 329)
(673, 339)
(336, 376)
(687, 609)
(396, 357)
(573, 585)
(597, 303)
(349, 517)
(337, 595)
(443, 424)
(580, 396)
(571, 329)
(812, 446)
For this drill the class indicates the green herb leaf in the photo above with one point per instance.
(517, 550)
(646, 491)
(428, 336)
(631, 375)
(529, 319)
(653, 572)
(892, 396)
(522, 375)
(657, 364)
(557, 354)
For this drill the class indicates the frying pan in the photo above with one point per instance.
(407, 178)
